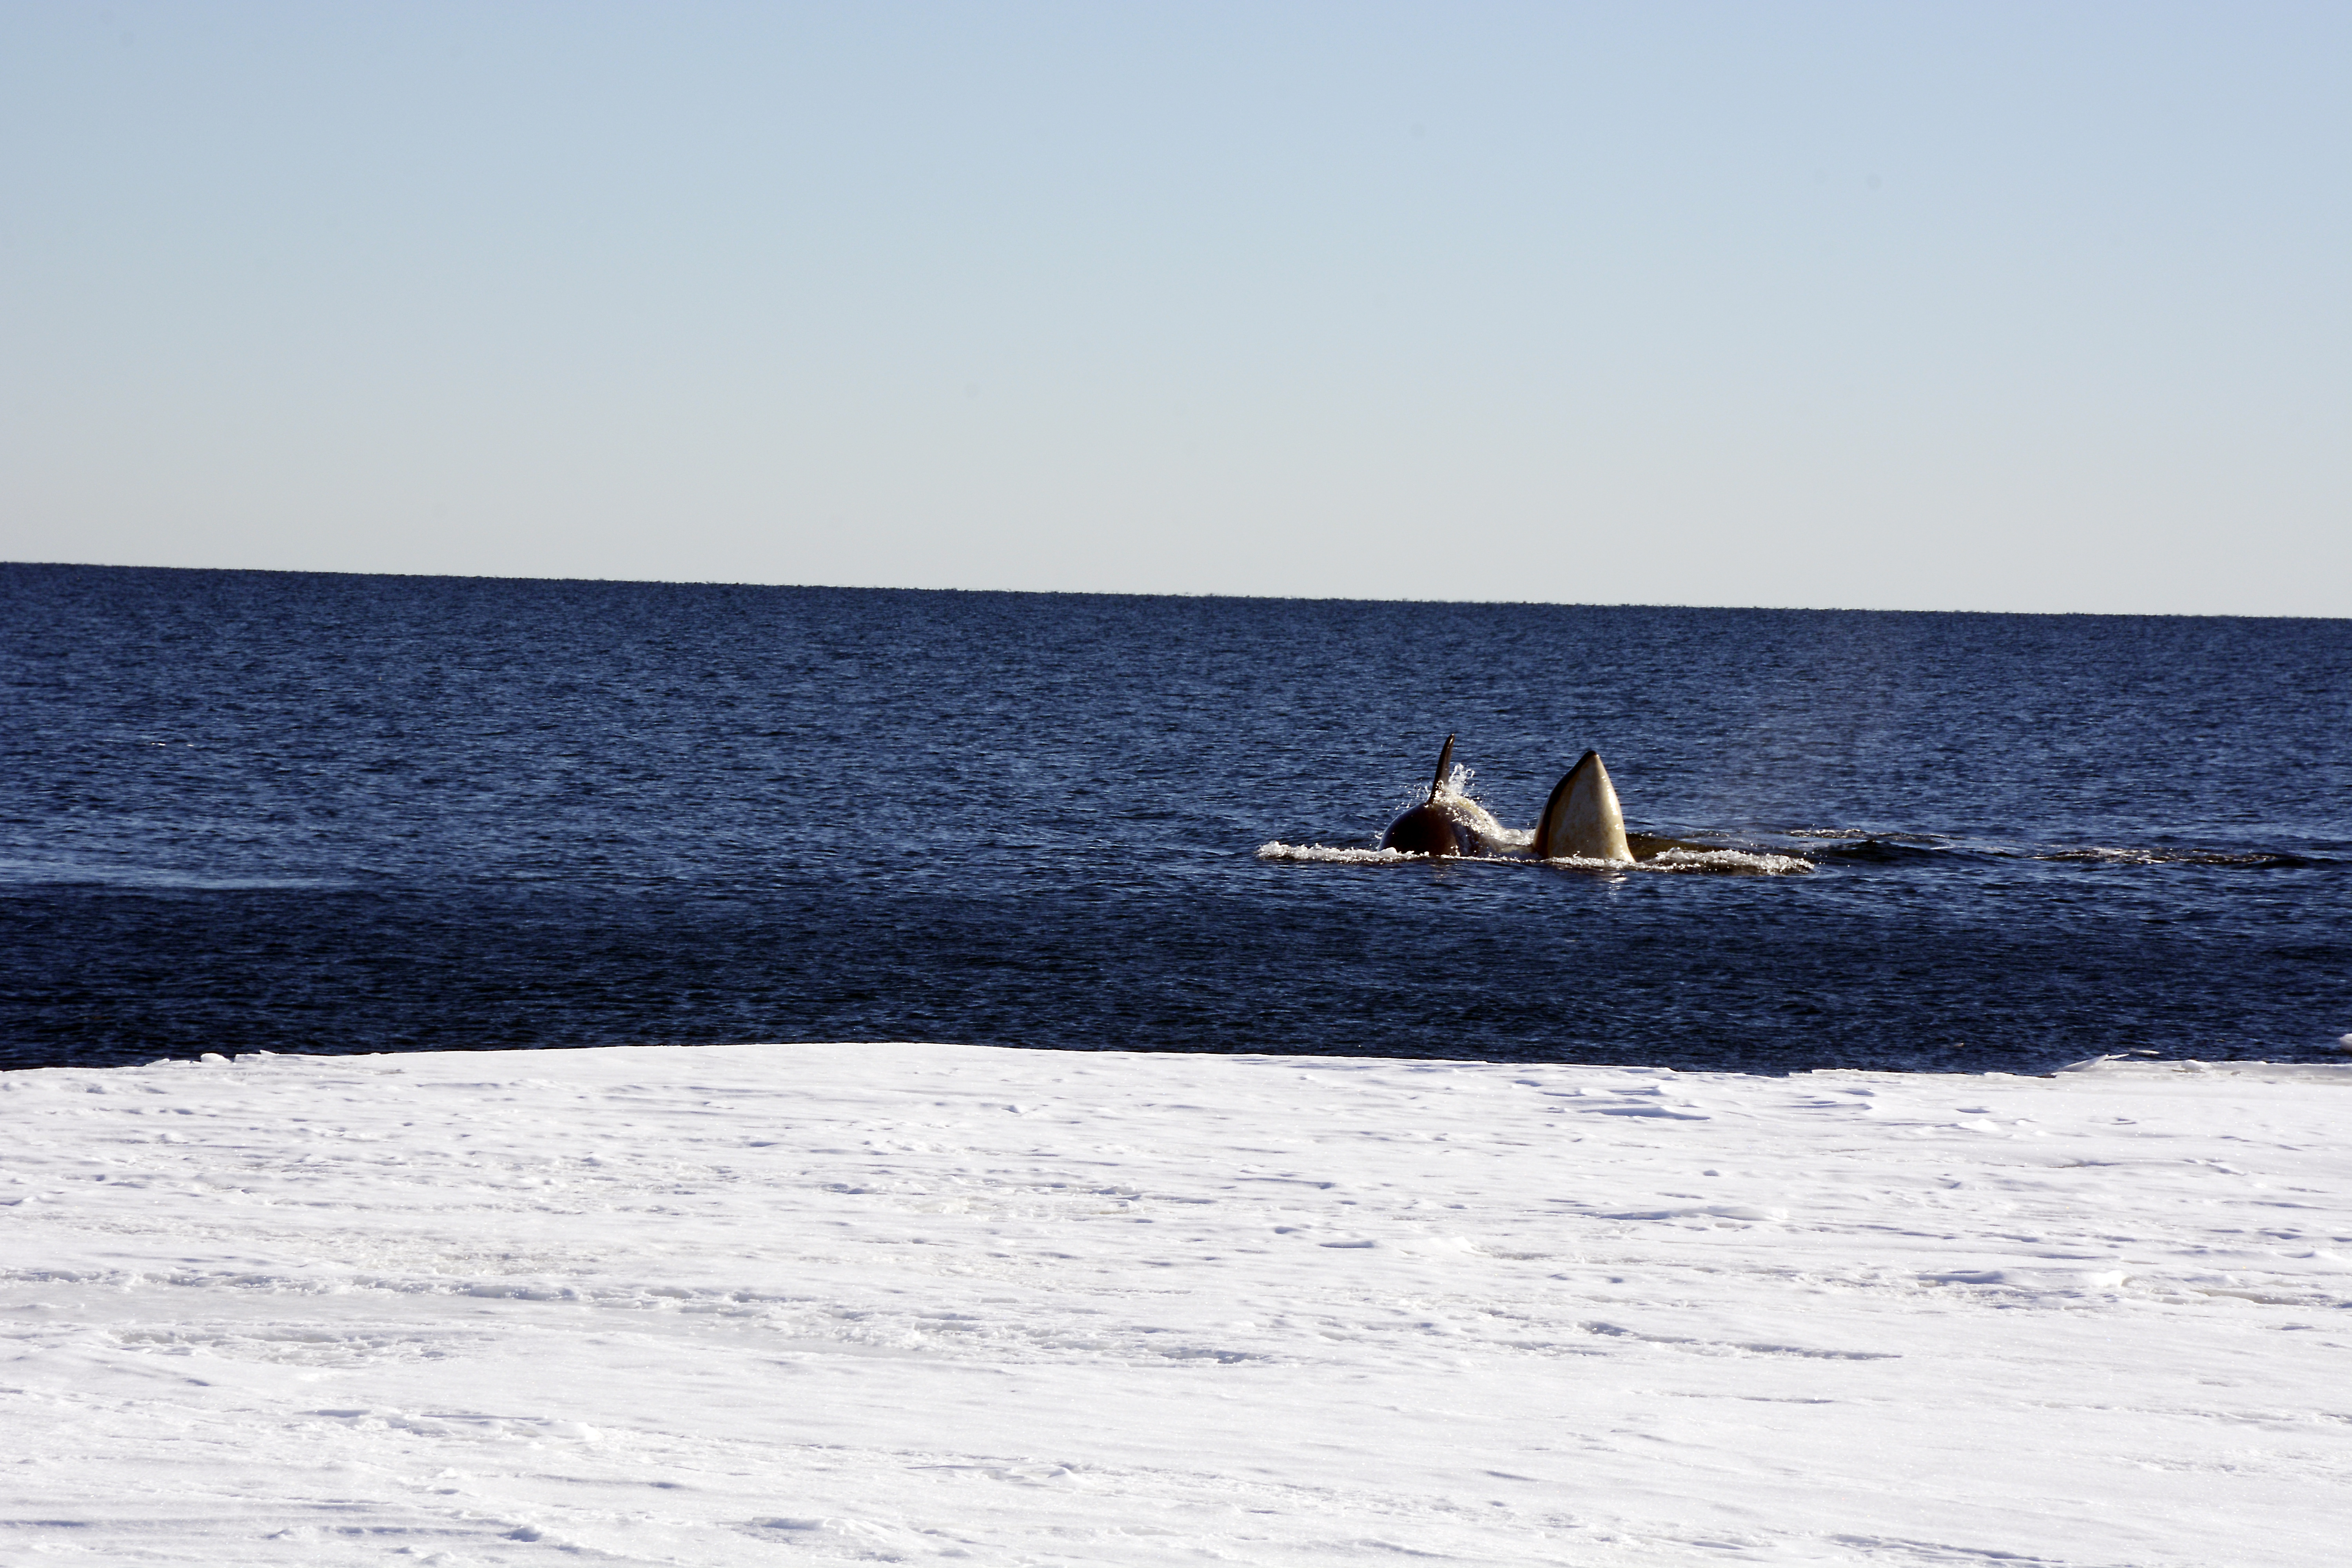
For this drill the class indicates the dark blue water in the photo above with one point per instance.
(321, 813)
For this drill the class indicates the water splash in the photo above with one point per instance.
(1733, 862)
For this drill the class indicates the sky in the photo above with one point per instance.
(1987, 306)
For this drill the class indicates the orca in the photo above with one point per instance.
(1446, 823)
(1580, 821)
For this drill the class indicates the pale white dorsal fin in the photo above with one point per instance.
(1583, 819)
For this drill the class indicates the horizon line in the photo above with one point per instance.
(1166, 594)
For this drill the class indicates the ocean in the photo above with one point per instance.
(318, 812)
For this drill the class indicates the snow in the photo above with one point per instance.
(814, 1304)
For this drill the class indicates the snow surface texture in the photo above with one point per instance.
(809, 1304)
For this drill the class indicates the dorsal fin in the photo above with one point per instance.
(1444, 766)
(1582, 819)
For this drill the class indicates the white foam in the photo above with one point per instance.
(1737, 862)
(1719, 861)
(1332, 855)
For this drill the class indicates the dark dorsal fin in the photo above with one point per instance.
(1444, 766)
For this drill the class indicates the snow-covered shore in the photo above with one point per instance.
(849, 1303)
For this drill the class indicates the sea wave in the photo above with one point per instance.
(1858, 846)
(2246, 859)
(1735, 862)
(1274, 849)
(57, 874)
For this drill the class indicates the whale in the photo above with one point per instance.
(1580, 821)
(1446, 823)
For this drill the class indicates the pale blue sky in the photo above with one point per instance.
(1971, 306)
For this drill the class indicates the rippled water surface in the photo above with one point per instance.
(301, 812)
